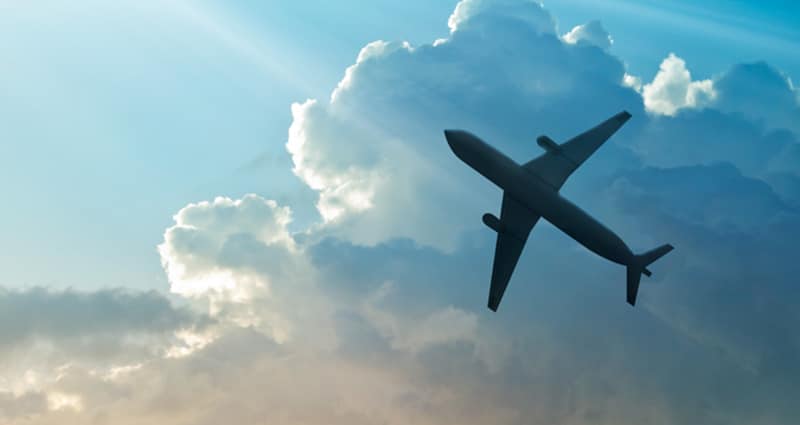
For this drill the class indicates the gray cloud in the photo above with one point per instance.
(759, 92)
(70, 313)
(21, 406)
(79, 320)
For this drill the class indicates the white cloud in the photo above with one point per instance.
(469, 12)
(673, 89)
(591, 33)
(633, 82)
(61, 401)
(341, 191)
(204, 231)
(376, 154)
(238, 258)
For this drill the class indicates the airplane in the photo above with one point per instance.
(531, 192)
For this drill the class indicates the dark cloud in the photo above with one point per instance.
(70, 315)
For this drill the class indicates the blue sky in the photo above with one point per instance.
(124, 90)
(256, 196)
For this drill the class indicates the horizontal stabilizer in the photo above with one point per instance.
(639, 266)
(651, 256)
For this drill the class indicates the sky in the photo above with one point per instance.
(247, 212)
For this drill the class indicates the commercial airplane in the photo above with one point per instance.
(530, 192)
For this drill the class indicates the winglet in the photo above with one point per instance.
(622, 117)
(493, 303)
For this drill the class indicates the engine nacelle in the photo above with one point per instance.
(493, 222)
(548, 144)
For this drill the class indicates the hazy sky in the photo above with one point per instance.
(218, 211)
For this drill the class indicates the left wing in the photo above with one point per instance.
(513, 228)
(560, 161)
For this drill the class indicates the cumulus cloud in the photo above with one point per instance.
(236, 256)
(591, 33)
(376, 314)
(673, 89)
(760, 92)
(632, 81)
(210, 237)
(755, 90)
(480, 86)
(375, 152)
(470, 15)
(44, 334)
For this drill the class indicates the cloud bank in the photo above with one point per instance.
(376, 314)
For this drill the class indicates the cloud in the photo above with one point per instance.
(209, 238)
(87, 324)
(735, 236)
(673, 89)
(591, 33)
(756, 90)
(483, 15)
(25, 405)
(376, 314)
(415, 334)
(697, 146)
(45, 334)
(760, 92)
(376, 155)
(238, 259)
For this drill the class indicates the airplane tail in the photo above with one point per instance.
(638, 266)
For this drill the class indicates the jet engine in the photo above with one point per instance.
(493, 222)
(548, 144)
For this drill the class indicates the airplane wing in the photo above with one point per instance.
(560, 161)
(516, 222)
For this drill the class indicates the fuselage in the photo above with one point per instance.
(539, 197)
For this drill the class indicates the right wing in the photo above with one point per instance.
(516, 222)
(560, 161)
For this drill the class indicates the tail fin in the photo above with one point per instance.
(639, 266)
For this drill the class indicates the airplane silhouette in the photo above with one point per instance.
(530, 192)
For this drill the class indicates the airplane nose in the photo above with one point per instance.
(458, 141)
(453, 136)
(450, 136)
(463, 144)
